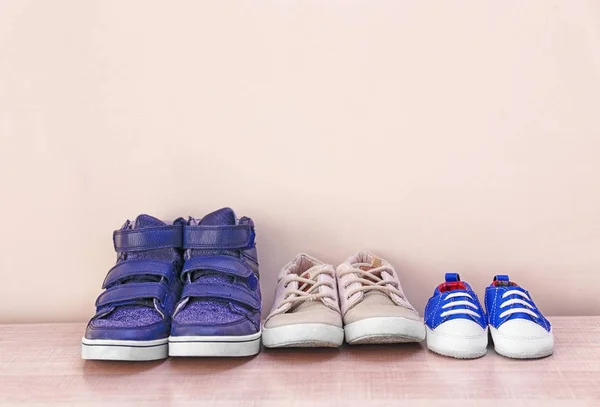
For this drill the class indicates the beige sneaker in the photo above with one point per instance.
(374, 308)
(306, 311)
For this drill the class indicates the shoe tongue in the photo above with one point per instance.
(374, 297)
(309, 275)
(305, 287)
(224, 216)
(502, 280)
(375, 262)
(146, 221)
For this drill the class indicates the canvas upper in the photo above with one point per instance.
(510, 306)
(141, 290)
(369, 287)
(221, 294)
(306, 294)
(455, 300)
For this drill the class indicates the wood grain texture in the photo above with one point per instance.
(41, 365)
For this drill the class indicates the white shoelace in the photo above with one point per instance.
(454, 303)
(369, 280)
(527, 309)
(302, 294)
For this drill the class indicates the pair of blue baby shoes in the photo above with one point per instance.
(458, 326)
(186, 289)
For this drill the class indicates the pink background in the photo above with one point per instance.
(444, 136)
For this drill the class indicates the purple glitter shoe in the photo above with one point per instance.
(133, 314)
(219, 311)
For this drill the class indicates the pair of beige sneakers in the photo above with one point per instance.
(362, 301)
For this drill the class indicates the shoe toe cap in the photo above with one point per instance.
(138, 333)
(523, 329)
(316, 315)
(460, 327)
(241, 327)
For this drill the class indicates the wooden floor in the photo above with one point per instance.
(41, 365)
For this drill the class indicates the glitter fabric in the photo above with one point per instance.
(129, 316)
(208, 313)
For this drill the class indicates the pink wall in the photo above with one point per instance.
(458, 136)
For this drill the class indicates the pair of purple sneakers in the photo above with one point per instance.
(186, 289)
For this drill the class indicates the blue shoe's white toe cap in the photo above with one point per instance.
(523, 329)
(522, 339)
(458, 338)
(460, 328)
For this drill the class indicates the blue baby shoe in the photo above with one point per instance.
(455, 321)
(518, 328)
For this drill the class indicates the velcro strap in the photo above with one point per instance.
(132, 291)
(225, 264)
(218, 237)
(130, 240)
(223, 291)
(132, 268)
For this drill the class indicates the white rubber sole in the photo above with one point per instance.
(106, 349)
(519, 348)
(384, 330)
(303, 335)
(470, 347)
(214, 346)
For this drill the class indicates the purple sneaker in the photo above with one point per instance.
(219, 310)
(133, 314)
